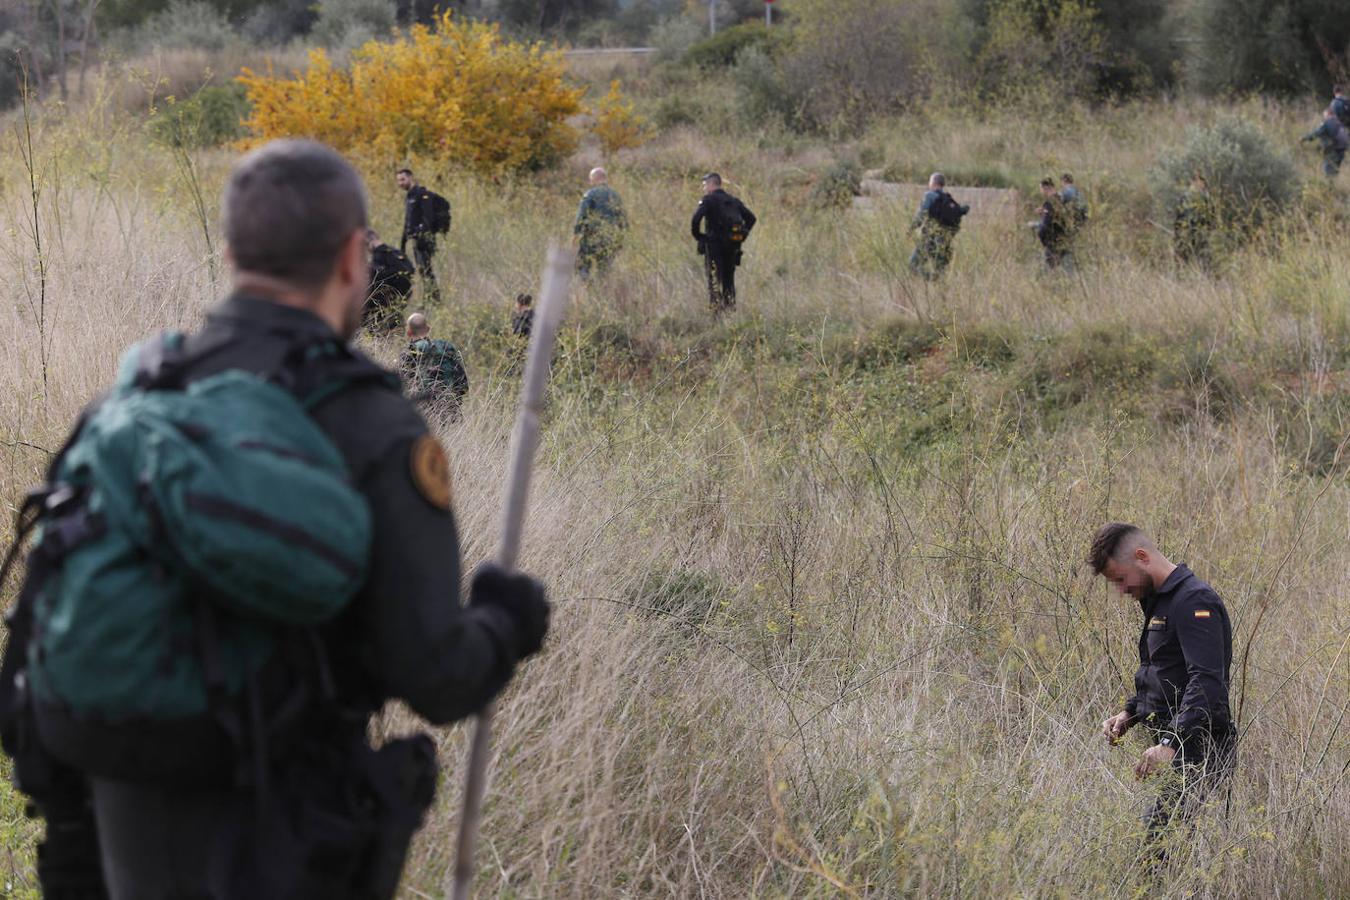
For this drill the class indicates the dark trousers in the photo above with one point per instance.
(424, 252)
(721, 261)
(1059, 257)
(932, 254)
(1331, 162)
(1202, 766)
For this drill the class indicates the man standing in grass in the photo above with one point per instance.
(600, 226)
(1193, 228)
(720, 226)
(433, 368)
(218, 746)
(425, 215)
(1054, 228)
(1335, 140)
(1340, 105)
(1181, 687)
(938, 221)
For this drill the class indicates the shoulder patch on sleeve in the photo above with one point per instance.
(1202, 614)
(431, 471)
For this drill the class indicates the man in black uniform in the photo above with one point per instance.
(1053, 228)
(419, 226)
(390, 285)
(720, 226)
(1181, 688)
(295, 226)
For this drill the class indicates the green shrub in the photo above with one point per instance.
(836, 188)
(347, 24)
(677, 109)
(763, 93)
(209, 118)
(183, 24)
(724, 48)
(673, 37)
(1250, 180)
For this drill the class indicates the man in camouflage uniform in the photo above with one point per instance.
(433, 369)
(933, 253)
(600, 227)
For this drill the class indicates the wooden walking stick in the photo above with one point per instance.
(524, 441)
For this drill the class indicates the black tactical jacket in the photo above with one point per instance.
(419, 215)
(406, 635)
(1185, 653)
(715, 214)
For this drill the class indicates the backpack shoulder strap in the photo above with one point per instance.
(341, 368)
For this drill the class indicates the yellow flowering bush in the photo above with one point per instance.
(454, 91)
(616, 124)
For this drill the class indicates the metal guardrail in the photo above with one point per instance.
(605, 51)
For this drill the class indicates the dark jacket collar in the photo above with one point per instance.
(1179, 574)
(1169, 586)
(251, 313)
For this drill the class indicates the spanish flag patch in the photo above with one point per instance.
(1202, 614)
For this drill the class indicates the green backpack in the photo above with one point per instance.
(436, 363)
(183, 528)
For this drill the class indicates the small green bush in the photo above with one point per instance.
(1250, 180)
(183, 24)
(347, 24)
(209, 118)
(837, 187)
(724, 48)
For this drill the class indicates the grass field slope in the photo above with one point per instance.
(823, 626)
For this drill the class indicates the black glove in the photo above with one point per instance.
(519, 599)
(702, 248)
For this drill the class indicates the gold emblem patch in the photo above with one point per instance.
(1202, 614)
(431, 471)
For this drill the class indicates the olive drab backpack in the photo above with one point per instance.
(182, 529)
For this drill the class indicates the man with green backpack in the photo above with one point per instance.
(433, 369)
(246, 548)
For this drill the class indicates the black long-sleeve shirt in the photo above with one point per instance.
(419, 215)
(715, 214)
(1185, 654)
(406, 635)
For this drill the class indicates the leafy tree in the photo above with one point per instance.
(1284, 46)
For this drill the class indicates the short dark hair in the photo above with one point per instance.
(1066, 178)
(289, 207)
(1106, 543)
(938, 178)
(524, 299)
(404, 171)
(714, 178)
(1338, 89)
(1047, 182)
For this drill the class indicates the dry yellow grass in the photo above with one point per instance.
(805, 644)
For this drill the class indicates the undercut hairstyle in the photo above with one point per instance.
(288, 209)
(1109, 541)
(713, 178)
(404, 171)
